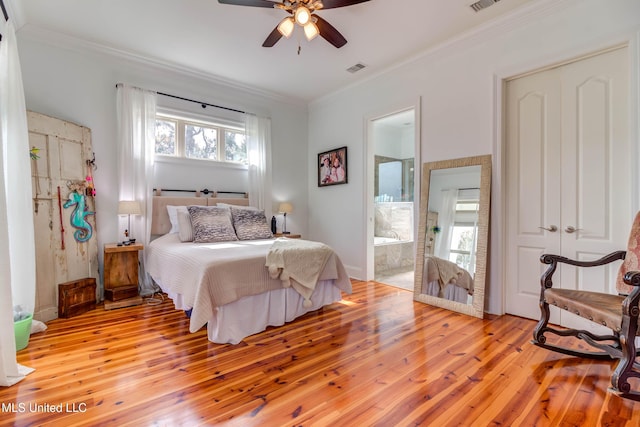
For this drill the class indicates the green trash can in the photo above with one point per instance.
(22, 330)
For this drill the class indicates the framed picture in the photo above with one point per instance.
(332, 167)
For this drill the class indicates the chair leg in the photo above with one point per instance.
(625, 367)
(538, 332)
(610, 351)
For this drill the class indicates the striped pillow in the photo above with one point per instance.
(185, 230)
(211, 224)
(250, 224)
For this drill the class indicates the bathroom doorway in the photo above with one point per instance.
(392, 174)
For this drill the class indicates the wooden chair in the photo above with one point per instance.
(617, 312)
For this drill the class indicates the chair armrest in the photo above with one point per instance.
(553, 260)
(614, 256)
(632, 278)
(630, 304)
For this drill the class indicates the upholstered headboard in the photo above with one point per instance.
(160, 223)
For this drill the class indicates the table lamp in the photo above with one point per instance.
(285, 208)
(129, 207)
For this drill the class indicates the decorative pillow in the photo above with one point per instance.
(185, 230)
(211, 224)
(630, 262)
(173, 216)
(250, 224)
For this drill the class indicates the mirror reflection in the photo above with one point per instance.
(450, 268)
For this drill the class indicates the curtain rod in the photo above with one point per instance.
(202, 104)
(206, 191)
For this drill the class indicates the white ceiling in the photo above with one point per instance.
(225, 40)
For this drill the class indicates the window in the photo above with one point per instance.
(195, 139)
(464, 233)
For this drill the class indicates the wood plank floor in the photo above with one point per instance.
(376, 358)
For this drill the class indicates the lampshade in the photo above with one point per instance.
(285, 207)
(129, 207)
(302, 15)
(285, 27)
(311, 30)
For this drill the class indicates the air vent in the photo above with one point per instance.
(482, 4)
(356, 68)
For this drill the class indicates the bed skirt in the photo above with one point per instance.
(451, 292)
(233, 322)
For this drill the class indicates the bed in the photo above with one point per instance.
(445, 279)
(226, 285)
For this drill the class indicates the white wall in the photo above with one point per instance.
(393, 142)
(459, 86)
(75, 81)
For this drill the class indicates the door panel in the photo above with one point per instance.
(596, 196)
(534, 200)
(71, 160)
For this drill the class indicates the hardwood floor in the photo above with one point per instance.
(376, 358)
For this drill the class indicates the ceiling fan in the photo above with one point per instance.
(302, 13)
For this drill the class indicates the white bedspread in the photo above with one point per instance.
(210, 275)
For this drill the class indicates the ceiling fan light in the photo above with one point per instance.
(285, 27)
(311, 30)
(302, 15)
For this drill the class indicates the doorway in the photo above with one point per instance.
(392, 212)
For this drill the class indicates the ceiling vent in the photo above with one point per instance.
(482, 4)
(356, 68)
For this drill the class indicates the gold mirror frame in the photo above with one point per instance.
(476, 308)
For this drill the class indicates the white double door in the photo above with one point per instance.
(568, 188)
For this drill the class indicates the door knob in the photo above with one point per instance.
(552, 229)
(570, 229)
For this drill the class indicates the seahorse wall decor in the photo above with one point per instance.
(78, 216)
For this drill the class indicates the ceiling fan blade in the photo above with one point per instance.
(254, 3)
(272, 38)
(329, 33)
(332, 4)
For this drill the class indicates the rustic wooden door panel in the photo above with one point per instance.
(64, 149)
(72, 165)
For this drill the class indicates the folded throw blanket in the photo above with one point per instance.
(448, 272)
(298, 263)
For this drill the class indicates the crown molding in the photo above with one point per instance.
(75, 44)
(480, 34)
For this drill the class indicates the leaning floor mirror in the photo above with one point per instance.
(451, 257)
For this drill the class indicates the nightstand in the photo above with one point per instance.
(121, 275)
(291, 236)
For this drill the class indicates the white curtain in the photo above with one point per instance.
(446, 217)
(258, 131)
(136, 109)
(17, 236)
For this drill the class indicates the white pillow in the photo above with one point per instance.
(228, 206)
(173, 217)
(185, 230)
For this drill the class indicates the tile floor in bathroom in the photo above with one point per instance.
(400, 278)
